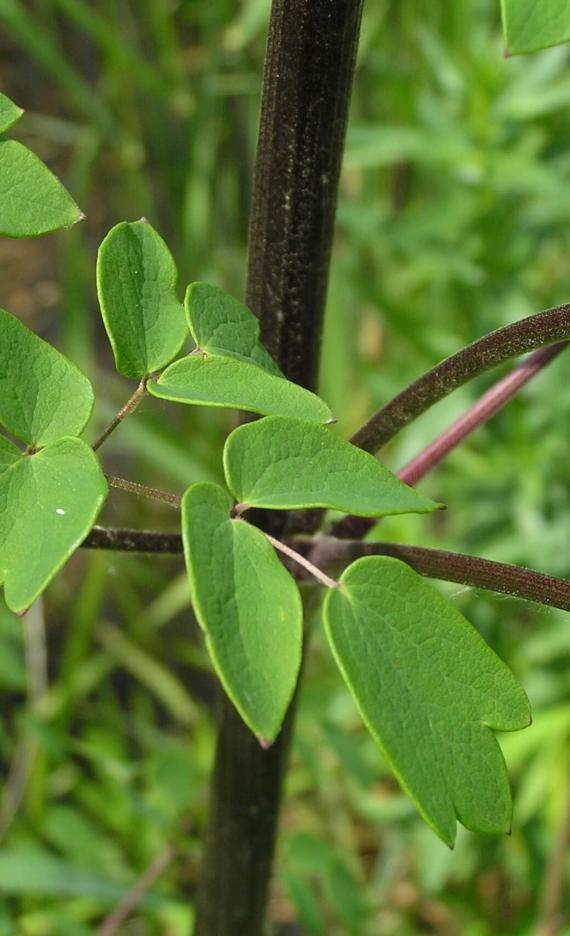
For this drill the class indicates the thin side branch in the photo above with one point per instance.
(499, 577)
(132, 487)
(129, 407)
(488, 405)
(329, 552)
(312, 569)
(142, 541)
(481, 411)
(530, 333)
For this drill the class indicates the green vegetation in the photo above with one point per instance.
(452, 222)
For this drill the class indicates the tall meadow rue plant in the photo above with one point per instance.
(428, 688)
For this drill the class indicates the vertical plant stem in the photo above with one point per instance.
(308, 77)
(307, 83)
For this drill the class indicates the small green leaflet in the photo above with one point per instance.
(248, 605)
(32, 200)
(530, 25)
(136, 284)
(9, 113)
(430, 690)
(285, 463)
(213, 380)
(43, 396)
(222, 325)
(48, 503)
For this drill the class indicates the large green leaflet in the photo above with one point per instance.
(48, 503)
(215, 380)
(248, 605)
(43, 396)
(530, 25)
(136, 283)
(285, 463)
(32, 200)
(9, 113)
(430, 691)
(222, 325)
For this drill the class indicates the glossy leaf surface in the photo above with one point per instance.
(222, 325)
(247, 604)
(136, 284)
(213, 380)
(530, 25)
(48, 503)
(9, 113)
(430, 690)
(32, 200)
(43, 396)
(285, 463)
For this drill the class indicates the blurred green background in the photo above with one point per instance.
(454, 219)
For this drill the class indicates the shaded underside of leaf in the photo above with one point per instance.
(48, 503)
(222, 325)
(285, 463)
(247, 604)
(430, 691)
(214, 380)
(136, 284)
(9, 113)
(32, 200)
(530, 25)
(43, 396)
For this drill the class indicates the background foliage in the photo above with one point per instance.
(453, 220)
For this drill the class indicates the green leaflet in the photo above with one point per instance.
(429, 689)
(222, 325)
(214, 380)
(285, 463)
(530, 25)
(9, 113)
(43, 396)
(48, 503)
(136, 284)
(248, 605)
(32, 200)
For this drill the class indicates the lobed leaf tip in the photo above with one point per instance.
(80, 217)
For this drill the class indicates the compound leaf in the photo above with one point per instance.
(32, 200)
(9, 113)
(430, 691)
(48, 503)
(215, 380)
(136, 284)
(222, 325)
(530, 25)
(285, 463)
(247, 604)
(43, 396)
